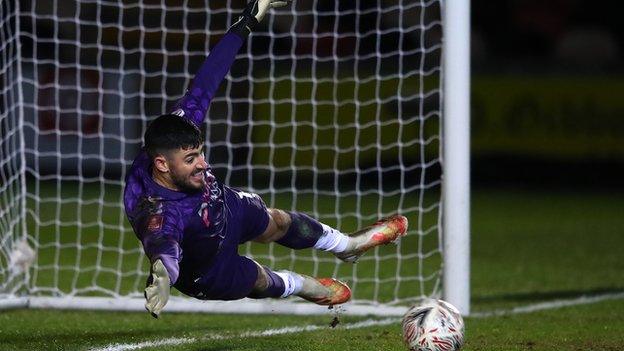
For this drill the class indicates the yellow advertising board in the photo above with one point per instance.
(563, 118)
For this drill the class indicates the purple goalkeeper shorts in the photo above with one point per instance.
(231, 276)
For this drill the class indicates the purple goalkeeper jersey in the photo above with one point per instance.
(184, 230)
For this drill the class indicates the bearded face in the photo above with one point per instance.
(186, 169)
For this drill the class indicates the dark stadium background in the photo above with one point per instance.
(547, 77)
(546, 80)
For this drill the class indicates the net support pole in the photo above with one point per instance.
(456, 154)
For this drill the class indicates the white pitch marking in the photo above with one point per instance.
(249, 334)
(140, 345)
(583, 300)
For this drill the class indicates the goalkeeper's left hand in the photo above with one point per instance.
(258, 8)
(157, 290)
(254, 13)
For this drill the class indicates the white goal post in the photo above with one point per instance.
(456, 186)
(346, 110)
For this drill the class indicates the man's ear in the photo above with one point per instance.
(161, 164)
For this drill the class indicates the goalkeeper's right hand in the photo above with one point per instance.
(157, 290)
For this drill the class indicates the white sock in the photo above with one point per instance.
(293, 282)
(332, 240)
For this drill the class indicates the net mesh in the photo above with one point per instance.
(12, 277)
(332, 108)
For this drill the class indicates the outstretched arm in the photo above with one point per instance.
(160, 240)
(194, 104)
(159, 229)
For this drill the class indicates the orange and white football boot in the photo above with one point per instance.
(382, 232)
(324, 291)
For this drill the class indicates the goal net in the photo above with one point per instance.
(12, 190)
(332, 108)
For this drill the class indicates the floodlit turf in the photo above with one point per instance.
(588, 327)
(538, 246)
(527, 247)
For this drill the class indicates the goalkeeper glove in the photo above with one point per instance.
(253, 14)
(157, 290)
(258, 8)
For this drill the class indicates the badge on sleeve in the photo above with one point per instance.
(154, 222)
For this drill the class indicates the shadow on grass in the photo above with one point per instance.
(544, 296)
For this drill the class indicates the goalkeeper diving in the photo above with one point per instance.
(191, 225)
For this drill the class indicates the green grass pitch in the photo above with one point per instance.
(528, 247)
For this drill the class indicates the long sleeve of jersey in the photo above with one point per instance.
(194, 104)
(159, 228)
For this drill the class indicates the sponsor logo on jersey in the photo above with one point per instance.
(154, 223)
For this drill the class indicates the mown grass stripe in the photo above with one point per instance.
(582, 300)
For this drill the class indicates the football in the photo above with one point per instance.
(434, 325)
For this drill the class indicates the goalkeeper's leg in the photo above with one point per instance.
(322, 291)
(298, 231)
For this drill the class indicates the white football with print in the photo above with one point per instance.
(434, 325)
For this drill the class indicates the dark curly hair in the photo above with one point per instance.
(171, 132)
